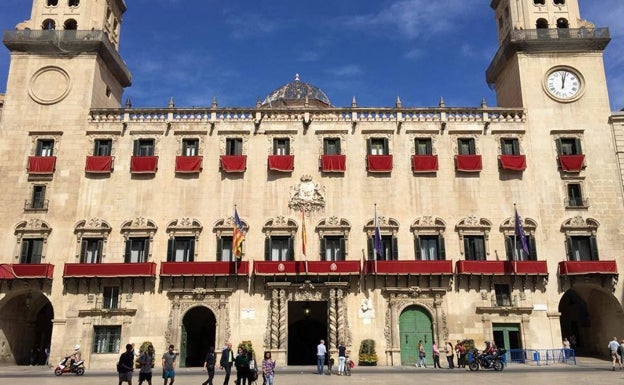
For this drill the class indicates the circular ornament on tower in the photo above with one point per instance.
(49, 85)
(564, 84)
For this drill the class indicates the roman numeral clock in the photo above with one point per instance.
(564, 84)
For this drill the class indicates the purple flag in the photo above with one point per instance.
(520, 233)
(377, 239)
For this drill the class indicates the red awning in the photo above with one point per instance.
(78, 270)
(379, 163)
(233, 163)
(571, 163)
(333, 163)
(282, 162)
(409, 267)
(41, 164)
(313, 267)
(188, 164)
(5, 272)
(468, 163)
(513, 162)
(424, 163)
(204, 268)
(484, 267)
(99, 164)
(26, 271)
(587, 267)
(143, 164)
(529, 267)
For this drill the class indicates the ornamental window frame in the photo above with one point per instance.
(429, 226)
(472, 226)
(389, 231)
(508, 230)
(93, 228)
(139, 228)
(29, 230)
(579, 227)
(183, 228)
(333, 227)
(224, 233)
(280, 227)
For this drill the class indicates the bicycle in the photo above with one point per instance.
(347, 366)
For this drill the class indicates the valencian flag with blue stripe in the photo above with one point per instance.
(238, 236)
(519, 232)
(378, 243)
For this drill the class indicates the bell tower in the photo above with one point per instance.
(548, 56)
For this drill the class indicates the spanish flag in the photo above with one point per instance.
(237, 236)
(303, 234)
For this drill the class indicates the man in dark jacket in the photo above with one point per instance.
(227, 359)
(125, 366)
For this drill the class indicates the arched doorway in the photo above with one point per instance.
(25, 328)
(590, 317)
(415, 325)
(198, 334)
(306, 327)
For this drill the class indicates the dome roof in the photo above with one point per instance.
(295, 93)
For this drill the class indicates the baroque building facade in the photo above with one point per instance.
(395, 224)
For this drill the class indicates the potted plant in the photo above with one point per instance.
(143, 349)
(368, 356)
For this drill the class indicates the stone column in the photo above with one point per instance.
(332, 320)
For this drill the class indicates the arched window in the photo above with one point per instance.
(279, 242)
(52, 3)
(71, 24)
(48, 25)
(224, 230)
(429, 239)
(388, 229)
(334, 236)
(138, 234)
(541, 24)
(474, 234)
(91, 236)
(581, 242)
(73, 3)
(32, 238)
(183, 237)
(562, 23)
(539, 2)
(514, 248)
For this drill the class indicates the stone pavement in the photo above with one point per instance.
(588, 371)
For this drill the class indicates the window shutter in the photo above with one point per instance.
(343, 250)
(37, 251)
(24, 253)
(191, 256)
(417, 253)
(441, 248)
(516, 147)
(577, 144)
(532, 248)
(473, 149)
(145, 250)
(220, 249)
(171, 250)
(386, 147)
(569, 249)
(287, 146)
(509, 247)
(338, 152)
(371, 248)
(137, 145)
(593, 248)
(100, 250)
(558, 145)
(395, 249)
(267, 248)
(467, 253)
(127, 252)
(323, 250)
(83, 251)
(39, 148)
(369, 146)
(325, 146)
(291, 249)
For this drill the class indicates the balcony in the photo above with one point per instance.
(11, 271)
(424, 163)
(333, 163)
(99, 164)
(604, 273)
(143, 164)
(468, 163)
(203, 269)
(379, 163)
(110, 270)
(313, 267)
(41, 165)
(188, 164)
(484, 268)
(571, 163)
(576, 203)
(36, 205)
(513, 162)
(282, 163)
(233, 163)
(529, 267)
(408, 267)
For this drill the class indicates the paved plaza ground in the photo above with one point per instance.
(587, 372)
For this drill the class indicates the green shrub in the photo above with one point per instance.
(368, 356)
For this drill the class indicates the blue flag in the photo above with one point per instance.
(519, 232)
(377, 239)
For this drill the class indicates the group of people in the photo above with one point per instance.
(125, 365)
(617, 352)
(243, 362)
(450, 351)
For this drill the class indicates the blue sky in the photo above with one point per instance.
(239, 51)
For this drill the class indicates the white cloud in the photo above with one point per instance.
(350, 70)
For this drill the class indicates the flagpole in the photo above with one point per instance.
(304, 240)
(233, 250)
(515, 241)
(375, 240)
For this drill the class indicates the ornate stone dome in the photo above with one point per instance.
(295, 94)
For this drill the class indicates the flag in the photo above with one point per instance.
(303, 234)
(237, 237)
(377, 239)
(519, 233)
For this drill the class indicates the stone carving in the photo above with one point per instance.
(332, 320)
(283, 321)
(366, 309)
(307, 196)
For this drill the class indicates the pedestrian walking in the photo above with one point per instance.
(449, 354)
(168, 363)
(613, 346)
(146, 362)
(268, 369)
(421, 355)
(436, 356)
(321, 350)
(125, 365)
(226, 362)
(209, 365)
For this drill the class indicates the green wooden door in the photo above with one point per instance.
(183, 344)
(415, 325)
(507, 336)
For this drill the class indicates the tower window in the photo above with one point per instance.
(510, 146)
(378, 146)
(423, 146)
(143, 147)
(45, 147)
(48, 25)
(569, 146)
(331, 146)
(38, 197)
(190, 147)
(281, 146)
(52, 3)
(539, 2)
(541, 24)
(559, 2)
(70, 25)
(466, 146)
(562, 23)
(575, 196)
(233, 146)
(73, 3)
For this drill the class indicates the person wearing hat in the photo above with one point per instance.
(489, 352)
(74, 356)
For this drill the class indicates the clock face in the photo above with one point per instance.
(563, 84)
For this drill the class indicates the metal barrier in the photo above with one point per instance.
(541, 356)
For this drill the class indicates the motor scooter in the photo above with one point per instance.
(77, 368)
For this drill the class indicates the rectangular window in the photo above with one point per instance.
(474, 248)
(333, 248)
(224, 249)
(503, 295)
(143, 147)
(190, 147)
(45, 147)
(110, 297)
(102, 147)
(38, 197)
(510, 146)
(582, 248)
(331, 146)
(181, 249)
(569, 146)
(106, 339)
(137, 250)
(515, 251)
(575, 197)
(91, 250)
(466, 146)
(430, 248)
(378, 146)
(424, 146)
(281, 146)
(389, 248)
(234, 146)
(32, 250)
(279, 249)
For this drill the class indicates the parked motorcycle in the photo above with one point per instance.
(77, 368)
(477, 360)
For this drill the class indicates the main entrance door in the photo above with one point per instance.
(198, 334)
(507, 336)
(306, 327)
(415, 325)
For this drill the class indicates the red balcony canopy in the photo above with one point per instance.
(409, 267)
(513, 162)
(188, 164)
(314, 267)
(529, 267)
(468, 163)
(41, 164)
(26, 271)
(95, 270)
(333, 163)
(484, 267)
(99, 164)
(571, 163)
(587, 267)
(424, 163)
(379, 163)
(195, 269)
(143, 164)
(233, 163)
(282, 162)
